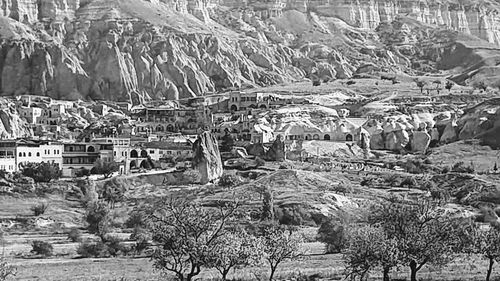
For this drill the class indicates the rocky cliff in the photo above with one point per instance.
(136, 50)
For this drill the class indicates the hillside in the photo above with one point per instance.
(140, 50)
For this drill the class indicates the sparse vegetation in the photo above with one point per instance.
(75, 235)
(89, 249)
(229, 179)
(39, 209)
(6, 270)
(42, 248)
(105, 168)
(97, 218)
(191, 176)
(187, 235)
(41, 172)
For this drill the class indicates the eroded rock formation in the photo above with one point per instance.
(206, 157)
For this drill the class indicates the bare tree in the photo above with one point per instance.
(279, 244)
(187, 235)
(487, 244)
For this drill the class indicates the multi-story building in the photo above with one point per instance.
(77, 156)
(38, 152)
(160, 150)
(30, 114)
(165, 120)
(8, 156)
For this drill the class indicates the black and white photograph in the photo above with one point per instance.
(249, 140)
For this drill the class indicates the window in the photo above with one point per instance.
(125, 154)
(38, 154)
(55, 151)
(114, 153)
(151, 152)
(178, 153)
(24, 154)
(161, 151)
(20, 154)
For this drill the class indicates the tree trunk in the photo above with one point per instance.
(413, 268)
(224, 275)
(386, 274)
(490, 268)
(273, 270)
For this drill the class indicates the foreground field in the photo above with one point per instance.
(326, 267)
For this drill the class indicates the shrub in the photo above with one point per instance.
(191, 176)
(116, 247)
(105, 168)
(332, 232)
(229, 179)
(39, 209)
(135, 219)
(42, 172)
(42, 248)
(97, 217)
(6, 270)
(82, 173)
(460, 167)
(75, 235)
(89, 249)
(293, 215)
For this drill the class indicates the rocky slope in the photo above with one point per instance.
(136, 50)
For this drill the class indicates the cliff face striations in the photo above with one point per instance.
(136, 50)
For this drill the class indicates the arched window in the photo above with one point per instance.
(29, 154)
(38, 154)
(327, 137)
(91, 149)
(24, 154)
(20, 154)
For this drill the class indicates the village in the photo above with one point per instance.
(152, 135)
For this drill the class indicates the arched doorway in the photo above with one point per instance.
(170, 128)
(144, 154)
(134, 154)
(90, 149)
(263, 106)
(348, 137)
(316, 137)
(234, 107)
(327, 137)
(308, 137)
(133, 164)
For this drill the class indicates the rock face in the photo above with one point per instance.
(206, 157)
(137, 50)
(277, 151)
(481, 122)
(420, 142)
(11, 124)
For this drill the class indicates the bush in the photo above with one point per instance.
(42, 172)
(6, 270)
(293, 215)
(135, 219)
(42, 248)
(116, 247)
(75, 235)
(191, 176)
(332, 232)
(82, 173)
(90, 249)
(105, 168)
(460, 167)
(229, 179)
(39, 209)
(97, 217)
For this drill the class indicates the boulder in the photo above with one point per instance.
(420, 142)
(256, 149)
(449, 133)
(277, 151)
(206, 157)
(377, 141)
